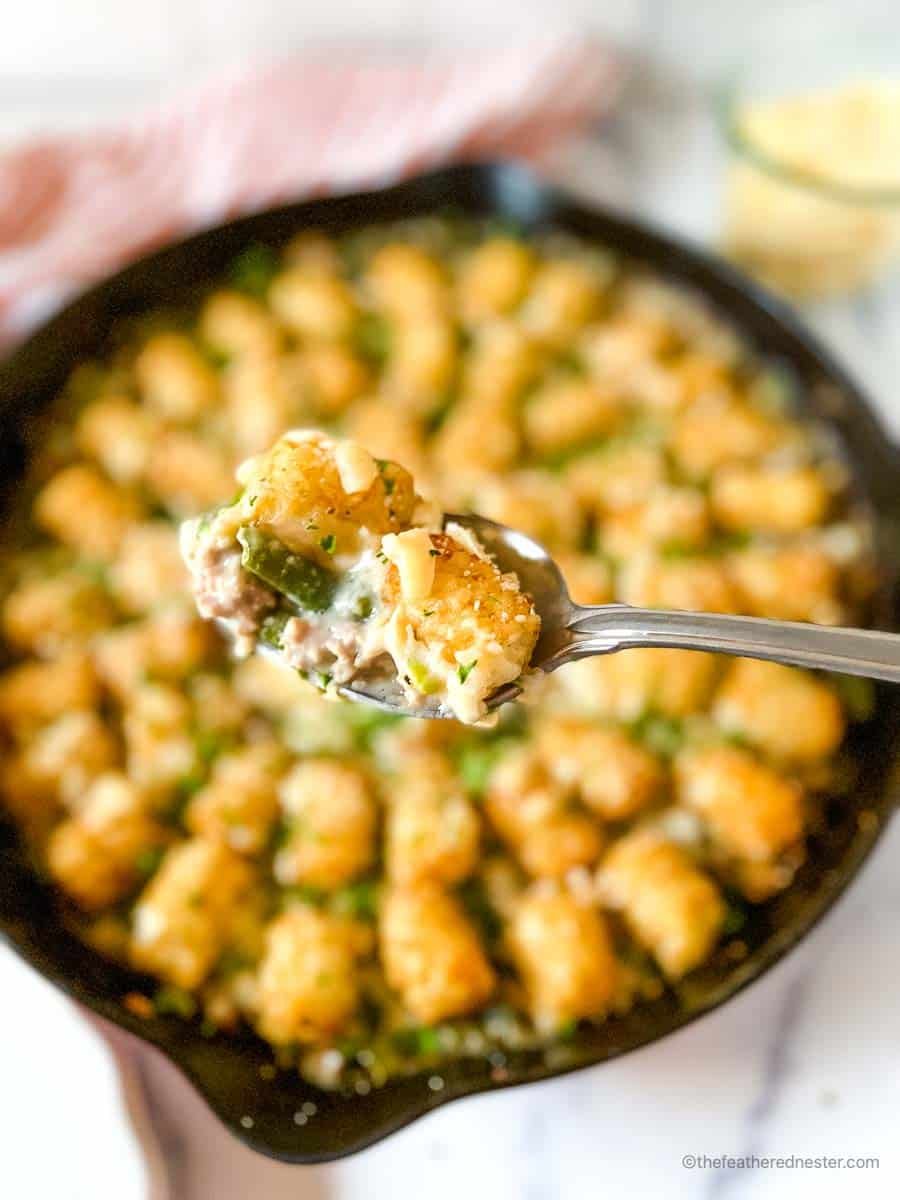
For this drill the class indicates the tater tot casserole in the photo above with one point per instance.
(374, 895)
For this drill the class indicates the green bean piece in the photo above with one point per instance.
(301, 580)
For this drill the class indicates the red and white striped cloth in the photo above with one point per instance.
(75, 207)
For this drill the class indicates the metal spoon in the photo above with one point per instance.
(571, 631)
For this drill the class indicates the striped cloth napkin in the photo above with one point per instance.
(75, 207)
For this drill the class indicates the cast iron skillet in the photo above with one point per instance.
(226, 1070)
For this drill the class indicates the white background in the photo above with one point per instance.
(806, 1062)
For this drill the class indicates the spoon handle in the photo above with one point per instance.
(849, 651)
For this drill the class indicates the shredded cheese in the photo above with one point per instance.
(411, 554)
(356, 467)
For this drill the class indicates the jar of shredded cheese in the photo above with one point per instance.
(812, 192)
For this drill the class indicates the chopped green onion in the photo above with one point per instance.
(421, 679)
(372, 338)
(148, 860)
(271, 631)
(328, 543)
(174, 1000)
(362, 608)
(464, 670)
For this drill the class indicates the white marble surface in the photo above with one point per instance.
(807, 1061)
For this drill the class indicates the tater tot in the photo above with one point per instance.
(564, 295)
(236, 324)
(502, 361)
(119, 435)
(588, 578)
(313, 304)
(70, 753)
(631, 683)
(788, 583)
(613, 776)
(390, 433)
(564, 414)
(97, 856)
(614, 349)
(431, 954)
(563, 952)
(618, 477)
(44, 615)
(239, 804)
(188, 475)
(432, 831)
(692, 584)
(769, 501)
(148, 570)
(533, 502)
(264, 395)
(714, 431)
(422, 362)
(334, 377)
(170, 643)
(671, 516)
(788, 714)
(183, 916)
(85, 511)
(530, 809)
(36, 692)
(330, 815)
(494, 278)
(295, 490)
(478, 437)
(161, 750)
(407, 282)
(752, 812)
(176, 381)
(307, 984)
(670, 907)
(268, 686)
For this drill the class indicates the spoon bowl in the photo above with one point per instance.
(571, 631)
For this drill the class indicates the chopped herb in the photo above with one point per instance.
(322, 679)
(362, 608)
(389, 484)
(254, 269)
(421, 678)
(857, 695)
(434, 553)
(567, 1029)
(211, 743)
(477, 904)
(148, 860)
(304, 894)
(464, 670)
(328, 543)
(476, 761)
(427, 612)
(366, 723)
(735, 919)
(174, 1000)
(216, 357)
(357, 900)
(372, 338)
(232, 961)
(412, 1043)
(662, 735)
